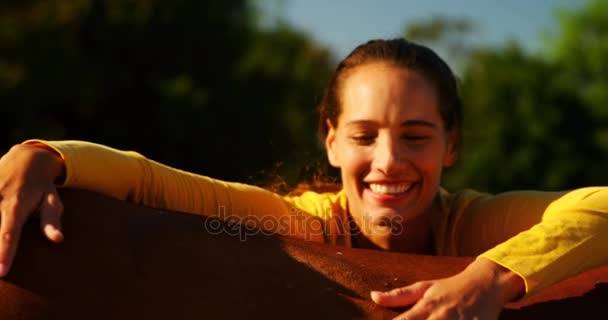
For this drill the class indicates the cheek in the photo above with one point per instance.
(356, 161)
(355, 164)
(429, 162)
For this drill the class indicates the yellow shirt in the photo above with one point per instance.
(544, 237)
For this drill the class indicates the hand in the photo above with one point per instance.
(27, 175)
(479, 292)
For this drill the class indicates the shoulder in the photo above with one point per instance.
(455, 201)
(320, 204)
(469, 199)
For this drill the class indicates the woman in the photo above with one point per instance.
(390, 120)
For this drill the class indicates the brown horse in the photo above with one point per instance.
(121, 261)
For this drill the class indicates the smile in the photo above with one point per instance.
(394, 188)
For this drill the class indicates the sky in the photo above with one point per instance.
(343, 24)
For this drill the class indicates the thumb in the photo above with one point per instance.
(401, 297)
(51, 210)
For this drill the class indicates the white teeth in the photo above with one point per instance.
(390, 188)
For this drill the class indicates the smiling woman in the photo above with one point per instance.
(391, 146)
(390, 120)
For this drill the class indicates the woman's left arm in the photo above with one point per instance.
(570, 238)
(531, 246)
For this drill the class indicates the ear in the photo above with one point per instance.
(453, 146)
(330, 145)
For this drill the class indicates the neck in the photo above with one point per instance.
(413, 236)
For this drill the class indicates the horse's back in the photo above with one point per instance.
(121, 261)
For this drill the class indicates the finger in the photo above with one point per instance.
(401, 297)
(420, 311)
(10, 231)
(51, 210)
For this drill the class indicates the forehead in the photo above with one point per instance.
(387, 93)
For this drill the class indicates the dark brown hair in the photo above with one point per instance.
(402, 53)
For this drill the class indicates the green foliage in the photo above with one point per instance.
(538, 122)
(523, 129)
(194, 84)
(446, 35)
(581, 47)
(202, 86)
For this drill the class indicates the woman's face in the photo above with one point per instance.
(390, 143)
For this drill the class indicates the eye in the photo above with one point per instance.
(363, 139)
(415, 137)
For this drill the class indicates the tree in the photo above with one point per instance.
(447, 35)
(581, 49)
(522, 128)
(194, 84)
(532, 122)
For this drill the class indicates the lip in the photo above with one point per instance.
(390, 198)
(386, 181)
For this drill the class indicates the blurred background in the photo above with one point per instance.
(230, 88)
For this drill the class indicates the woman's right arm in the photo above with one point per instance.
(128, 175)
(29, 171)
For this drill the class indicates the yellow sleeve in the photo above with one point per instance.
(545, 241)
(481, 221)
(128, 175)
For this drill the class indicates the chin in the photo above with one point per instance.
(384, 218)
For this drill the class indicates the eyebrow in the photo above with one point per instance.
(406, 123)
(424, 123)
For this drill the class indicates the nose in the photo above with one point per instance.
(389, 156)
